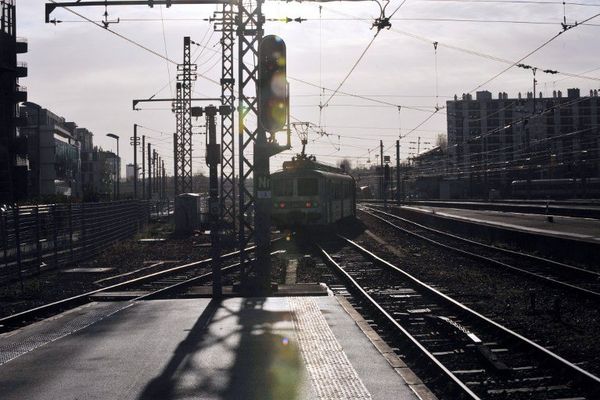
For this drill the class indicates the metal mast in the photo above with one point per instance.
(186, 74)
(227, 198)
(250, 32)
(177, 145)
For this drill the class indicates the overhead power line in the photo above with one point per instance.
(358, 96)
(538, 2)
(137, 44)
(469, 51)
(380, 23)
(351, 70)
(547, 42)
(286, 19)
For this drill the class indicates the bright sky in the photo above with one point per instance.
(90, 76)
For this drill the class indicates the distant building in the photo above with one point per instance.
(493, 141)
(103, 168)
(53, 153)
(86, 142)
(13, 148)
(130, 172)
(429, 178)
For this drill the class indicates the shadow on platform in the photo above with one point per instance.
(227, 360)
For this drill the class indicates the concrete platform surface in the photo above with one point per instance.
(293, 348)
(584, 229)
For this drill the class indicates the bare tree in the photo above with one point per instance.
(345, 164)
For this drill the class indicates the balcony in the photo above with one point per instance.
(21, 94)
(21, 69)
(21, 45)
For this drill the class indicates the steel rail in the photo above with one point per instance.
(578, 371)
(437, 363)
(191, 281)
(582, 271)
(30, 314)
(552, 281)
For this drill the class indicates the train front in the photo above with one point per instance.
(296, 200)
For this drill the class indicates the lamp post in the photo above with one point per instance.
(118, 165)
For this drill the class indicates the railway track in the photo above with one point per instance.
(149, 286)
(568, 277)
(462, 354)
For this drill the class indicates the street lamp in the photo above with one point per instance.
(118, 165)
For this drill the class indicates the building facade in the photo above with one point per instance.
(13, 148)
(62, 158)
(53, 153)
(495, 141)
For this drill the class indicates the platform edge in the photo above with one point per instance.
(406, 374)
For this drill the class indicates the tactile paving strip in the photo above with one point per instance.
(24, 341)
(331, 373)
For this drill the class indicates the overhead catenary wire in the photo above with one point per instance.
(137, 44)
(475, 53)
(358, 96)
(363, 53)
(166, 50)
(538, 48)
(437, 97)
(415, 19)
(537, 2)
(339, 93)
(351, 70)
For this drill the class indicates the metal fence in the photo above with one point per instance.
(37, 238)
(161, 208)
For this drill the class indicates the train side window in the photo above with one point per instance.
(308, 187)
(337, 191)
(283, 187)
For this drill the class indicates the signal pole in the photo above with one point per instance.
(149, 172)
(144, 167)
(381, 180)
(134, 140)
(213, 159)
(154, 172)
(273, 105)
(175, 163)
(164, 181)
(398, 172)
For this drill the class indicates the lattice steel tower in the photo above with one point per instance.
(226, 24)
(186, 75)
(250, 32)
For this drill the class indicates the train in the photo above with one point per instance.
(556, 188)
(307, 193)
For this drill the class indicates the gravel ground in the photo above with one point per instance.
(126, 256)
(500, 295)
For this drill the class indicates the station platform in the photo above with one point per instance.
(572, 228)
(291, 348)
(570, 208)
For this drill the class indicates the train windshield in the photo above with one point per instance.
(308, 187)
(283, 187)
